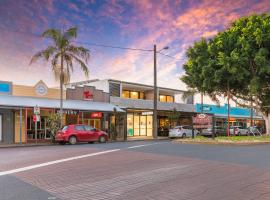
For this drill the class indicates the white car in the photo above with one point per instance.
(238, 130)
(181, 131)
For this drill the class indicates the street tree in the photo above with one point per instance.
(62, 54)
(238, 65)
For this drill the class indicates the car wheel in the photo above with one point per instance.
(102, 139)
(72, 140)
(184, 135)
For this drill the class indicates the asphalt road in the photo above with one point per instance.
(135, 170)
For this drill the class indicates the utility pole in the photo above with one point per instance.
(155, 94)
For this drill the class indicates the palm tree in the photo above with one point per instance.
(62, 54)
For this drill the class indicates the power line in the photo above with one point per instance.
(170, 56)
(114, 47)
(86, 43)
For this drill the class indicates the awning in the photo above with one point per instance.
(18, 101)
(238, 116)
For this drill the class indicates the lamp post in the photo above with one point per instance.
(155, 91)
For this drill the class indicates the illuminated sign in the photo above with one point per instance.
(96, 115)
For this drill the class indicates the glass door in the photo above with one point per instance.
(143, 126)
(130, 130)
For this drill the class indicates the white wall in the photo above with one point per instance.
(101, 85)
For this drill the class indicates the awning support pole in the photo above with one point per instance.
(20, 125)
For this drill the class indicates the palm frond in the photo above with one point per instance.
(79, 51)
(45, 54)
(70, 33)
(82, 64)
(54, 34)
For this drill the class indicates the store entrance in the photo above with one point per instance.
(139, 125)
(93, 122)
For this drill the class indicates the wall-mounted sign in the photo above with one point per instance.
(41, 89)
(207, 108)
(147, 113)
(96, 115)
(88, 96)
(69, 112)
(5, 87)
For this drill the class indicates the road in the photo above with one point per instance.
(135, 170)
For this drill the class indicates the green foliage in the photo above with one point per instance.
(54, 124)
(236, 59)
(63, 54)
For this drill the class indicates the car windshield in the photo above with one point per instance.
(65, 128)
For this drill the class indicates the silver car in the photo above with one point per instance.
(181, 131)
(238, 130)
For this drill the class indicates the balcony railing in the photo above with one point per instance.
(148, 104)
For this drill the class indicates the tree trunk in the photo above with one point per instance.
(201, 102)
(61, 90)
(267, 122)
(229, 96)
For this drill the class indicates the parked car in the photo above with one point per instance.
(219, 131)
(238, 130)
(182, 131)
(80, 133)
(254, 130)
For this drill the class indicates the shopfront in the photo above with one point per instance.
(139, 124)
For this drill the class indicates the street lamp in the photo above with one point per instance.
(155, 90)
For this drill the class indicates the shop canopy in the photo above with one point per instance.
(18, 101)
(238, 116)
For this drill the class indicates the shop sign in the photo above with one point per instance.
(88, 96)
(202, 119)
(207, 108)
(36, 118)
(5, 87)
(96, 115)
(69, 112)
(147, 113)
(36, 110)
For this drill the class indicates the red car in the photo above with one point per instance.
(80, 133)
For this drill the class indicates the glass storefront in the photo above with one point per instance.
(139, 125)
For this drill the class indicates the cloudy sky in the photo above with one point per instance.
(125, 23)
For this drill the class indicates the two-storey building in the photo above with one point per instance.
(137, 100)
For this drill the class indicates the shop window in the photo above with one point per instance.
(136, 125)
(130, 128)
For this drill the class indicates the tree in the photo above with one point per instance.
(62, 55)
(238, 65)
(54, 124)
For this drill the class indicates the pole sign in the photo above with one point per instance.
(202, 121)
(36, 118)
(36, 110)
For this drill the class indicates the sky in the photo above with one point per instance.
(125, 23)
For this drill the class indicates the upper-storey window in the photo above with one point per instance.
(132, 94)
(166, 98)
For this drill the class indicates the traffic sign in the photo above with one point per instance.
(36, 110)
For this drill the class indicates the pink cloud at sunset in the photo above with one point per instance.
(136, 24)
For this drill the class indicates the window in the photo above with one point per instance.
(125, 94)
(166, 98)
(170, 99)
(162, 98)
(79, 128)
(65, 128)
(89, 128)
(134, 95)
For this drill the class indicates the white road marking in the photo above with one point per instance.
(55, 162)
(22, 169)
(143, 145)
